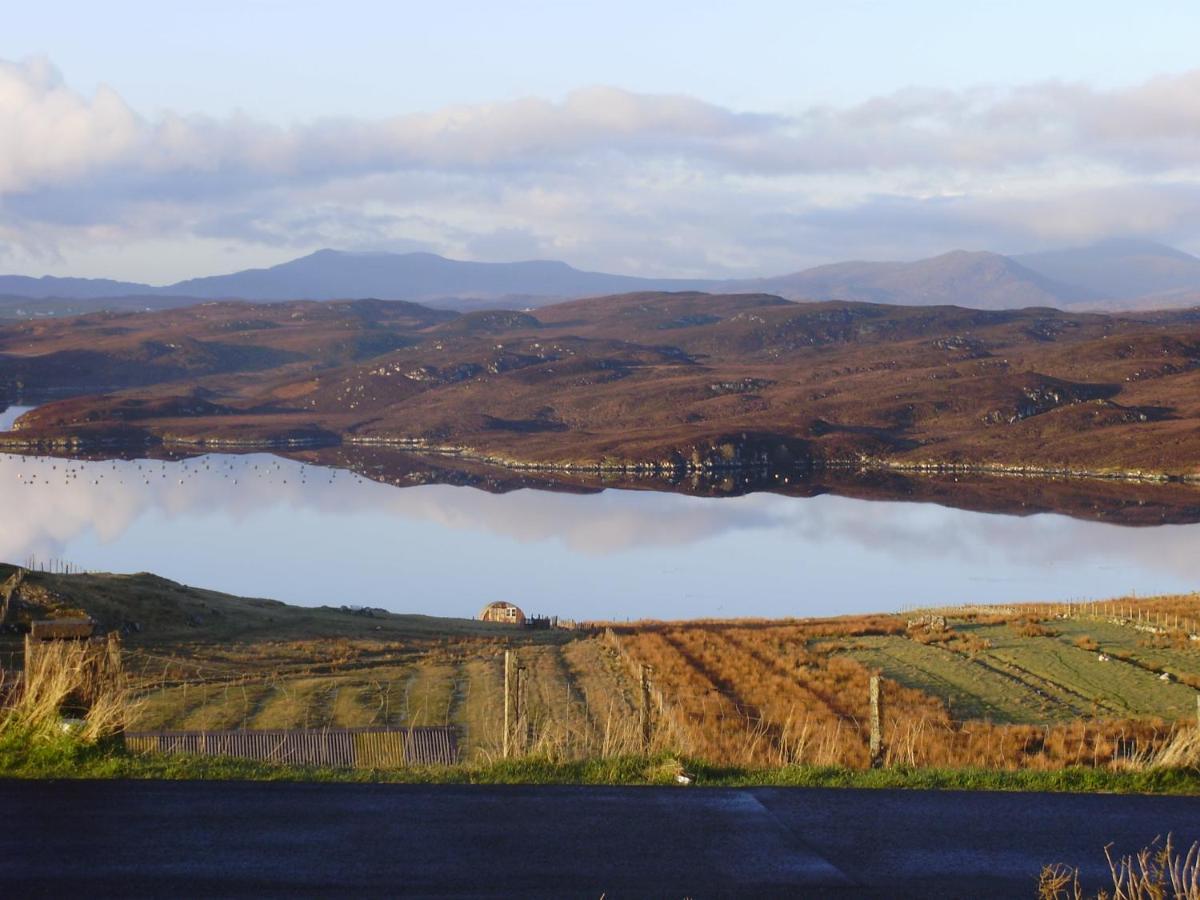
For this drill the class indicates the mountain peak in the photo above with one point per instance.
(967, 254)
(1119, 268)
(974, 278)
(1109, 271)
(1138, 247)
(329, 274)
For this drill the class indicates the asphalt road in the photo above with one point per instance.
(206, 839)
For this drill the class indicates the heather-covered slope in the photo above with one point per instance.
(661, 380)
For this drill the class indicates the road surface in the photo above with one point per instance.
(220, 839)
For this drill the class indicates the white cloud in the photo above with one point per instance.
(607, 178)
(50, 135)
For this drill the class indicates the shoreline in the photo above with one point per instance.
(674, 465)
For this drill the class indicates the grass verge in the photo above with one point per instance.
(67, 757)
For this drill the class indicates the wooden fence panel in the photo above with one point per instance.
(431, 747)
(365, 748)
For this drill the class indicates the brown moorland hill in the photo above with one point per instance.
(667, 381)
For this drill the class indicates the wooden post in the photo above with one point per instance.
(523, 730)
(28, 659)
(876, 724)
(509, 684)
(645, 707)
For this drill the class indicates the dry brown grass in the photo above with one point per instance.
(1156, 872)
(574, 704)
(608, 690)
(78, 679)
(779, 694)
(764, 695)
(1031, 628)
(702, 720)
(957, 641)
(1182, 751)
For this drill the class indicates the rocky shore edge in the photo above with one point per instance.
(733, 453)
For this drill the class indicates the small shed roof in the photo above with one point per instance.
(53, 629)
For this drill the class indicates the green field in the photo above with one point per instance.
(1035, 679)
(972, 688)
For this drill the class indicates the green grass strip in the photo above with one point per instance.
(63, 757)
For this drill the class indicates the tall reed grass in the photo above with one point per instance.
(78, 687)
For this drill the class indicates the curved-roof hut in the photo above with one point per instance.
(502, 611)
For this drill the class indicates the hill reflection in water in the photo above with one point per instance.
(311, 529)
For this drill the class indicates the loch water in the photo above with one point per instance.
(262, 525)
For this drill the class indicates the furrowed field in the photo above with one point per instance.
(1026, 687)
(1044, 687)
(989, 690)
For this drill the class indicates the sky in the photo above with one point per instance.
(159, 141)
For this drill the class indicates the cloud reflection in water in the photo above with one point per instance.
(262, 525)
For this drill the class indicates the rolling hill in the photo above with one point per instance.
(50, 287)
(667, 382)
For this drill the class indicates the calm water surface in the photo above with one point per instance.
(264, 526)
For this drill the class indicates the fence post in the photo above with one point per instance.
(876, 723)
(508, 698)
(28, 661)
(524, 727)
(645, 707)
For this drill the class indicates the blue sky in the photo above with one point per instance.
(157, 141)
(288, 60)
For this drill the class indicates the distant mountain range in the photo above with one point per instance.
(979, 280)
(338, 275)
(1119, 269)
(1107, 275)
